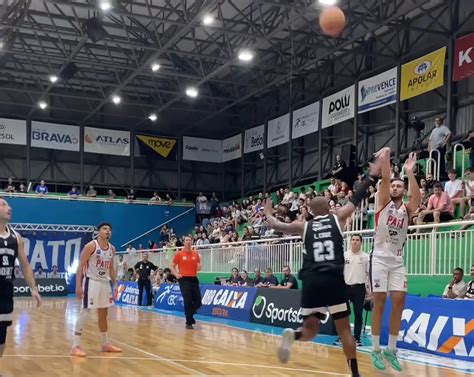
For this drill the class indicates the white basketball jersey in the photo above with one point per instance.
(99, 262)
(391, 227)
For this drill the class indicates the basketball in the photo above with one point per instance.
(332, 21)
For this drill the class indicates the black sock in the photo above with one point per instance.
(354, 368)
(298, 334)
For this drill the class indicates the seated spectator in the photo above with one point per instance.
(22, 189)
(130, 249)
(42, 189)
(111, 194)
(470, 286)
(455, 190)
(339, 167)
(311, 194)
(258, 279)
(91, 192)
(152, 245)
(302, 194)
(155, 198)
(280, 194)
(235, 279)
(54, 274)
(289, 281)
(129, 276)
(358, 182)
(457, 287)
(246, 281)
(270, 280)
(164, 233)
(345, 188)
(160, 276)
(422, 206)
(341, 198)
(73, 192)
(10, 186)
(203, 241)
(18, 273)
(169, 277)
(468, 190)
(131, 196)
(40, 274)
(250, 234)
(430, 182)
(440, 208)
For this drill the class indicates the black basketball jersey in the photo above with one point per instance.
(324, 248)
(8, 255)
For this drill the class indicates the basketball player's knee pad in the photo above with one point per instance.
(3, 332)
(81, 319)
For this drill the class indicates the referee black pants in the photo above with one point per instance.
(356, 295)
(144, 283)
(191, 293)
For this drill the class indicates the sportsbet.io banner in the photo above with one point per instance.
(423, 74)
(338, 107)
(113, 142)
(157, 146)
(55, 136)
(12, 131)
(378, 91)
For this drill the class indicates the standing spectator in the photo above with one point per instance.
(40, 274)
(155, 198)
(10, 187)
(91, 192)
(54, 274)
(440, 208)
(258, 279)
(201, 198)
(188, 262)
(168, 199)
(131, 195)
(111, 194)
(131, 249)
(470, 286)
(164, 234)
(455, 190)
(143, 270)
(439, 139)
(235, 279)
(289, 281)
(358, 182)
(457, 288)
(22, 189)
(73, 192)
(152, 245)
(339, 168)
(121, 267)
(42, 189)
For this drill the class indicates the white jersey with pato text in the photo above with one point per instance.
(99, 262)
(391, 228)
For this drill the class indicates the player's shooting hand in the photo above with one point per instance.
(410, 163)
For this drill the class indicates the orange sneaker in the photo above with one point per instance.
(78, 352)
(110, 348)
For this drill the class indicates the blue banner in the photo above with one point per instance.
(433, 325)
(127, 293)
(169, 297)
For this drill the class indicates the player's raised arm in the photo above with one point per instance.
(383, 158)
(295, 228)
(27, 272)
(413, 188)
(85, 255)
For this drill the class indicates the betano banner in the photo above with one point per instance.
(305, 120)
(378, 91)
(338, 107)
(157, 146)
(254, 139)
(232, 148)
(423, 74)
(278, 131)
(198, 149)
(464, 57)
(12, 131)
(113, 142)
(55, 136)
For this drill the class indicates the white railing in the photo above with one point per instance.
(437, 252)
(455, 149)
(436, 164)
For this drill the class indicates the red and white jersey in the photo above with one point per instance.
(99, 262)
(391, 228)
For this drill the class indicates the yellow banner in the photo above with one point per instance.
(162, 146)
(423, 74)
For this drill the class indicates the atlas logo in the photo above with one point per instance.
(225, 297)
(104, 139)
(340, 104)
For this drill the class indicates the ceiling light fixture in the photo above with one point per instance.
(192, 92)
(153, 117)
(245, 55)
(116, 99)
(208, 19)
(53, 78)
(42, 105)
(328, 2)
(105, 5)
(155, 67)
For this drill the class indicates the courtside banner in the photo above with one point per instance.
(55, 136)
(305, 120)
(227, 302)
(126, 293)
(378, 91)
(232, 148)
(338, 107)
(254, 139)
(198, 149)
(12, 131)
(423, 74)
(157, 146)
(278, 131)
(169, 297)
(46, 287)
(464, 58)
(99, 140)
(437, 326)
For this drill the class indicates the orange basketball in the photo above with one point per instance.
(332, 21)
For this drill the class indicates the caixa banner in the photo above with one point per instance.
(46, 287)
(169, 297)
(437, 326)
(127, 293)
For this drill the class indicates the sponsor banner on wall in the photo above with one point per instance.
(232, 148)
(305, 120)
(254, 139)
(12, 131)
(436, 326)
(463, 57)
(157, 146)
(203, 208)
(169, 297)
(55, 136)
(338, 107)
(278, 131)
(126, 292)
(378, 91)
(423, 74)
(46, 287)
(198, 149)
(99, 140)
(282, 308)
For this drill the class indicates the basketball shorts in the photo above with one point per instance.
(6, 304)
(97, 294)
(387, 273)
(323, 297)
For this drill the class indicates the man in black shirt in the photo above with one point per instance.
(289, 281)
(258, 277)
(270, 280)
(143, 270)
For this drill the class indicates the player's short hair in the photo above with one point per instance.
(104, 224)
(286, 266)
(357, 235)
(452, 171)
(397, 179)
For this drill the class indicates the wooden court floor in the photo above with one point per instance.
(39, 342)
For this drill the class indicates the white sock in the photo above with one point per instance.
(77, 339)
(104, 338)
(392, 342)
(376, 342)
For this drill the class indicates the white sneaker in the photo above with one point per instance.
(287, 339)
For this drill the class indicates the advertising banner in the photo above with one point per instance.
(99, 140)
(169, 297)
(127, 293)
(305, 120)
(378, 91)
(46, 287)
(464, 57)
(55, 136)
(436, 326)
(227, 302)
(12, 131)
(278, 131)
(157, 146)
(254, 139)
(423, 74)
(338, 107)
(198, 149)
(203, 208)
(232, 148)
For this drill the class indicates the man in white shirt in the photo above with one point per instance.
(455, 190)
(54, 274)
(40, 274)
(439, 139)
(470, 286)
(457, 288)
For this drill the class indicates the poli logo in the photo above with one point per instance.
(423, 67)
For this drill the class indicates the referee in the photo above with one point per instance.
(143, 270)
(188, 262)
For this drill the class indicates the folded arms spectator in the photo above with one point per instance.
(457, 288)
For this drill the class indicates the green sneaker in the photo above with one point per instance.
(377, 360)
(391, 357)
